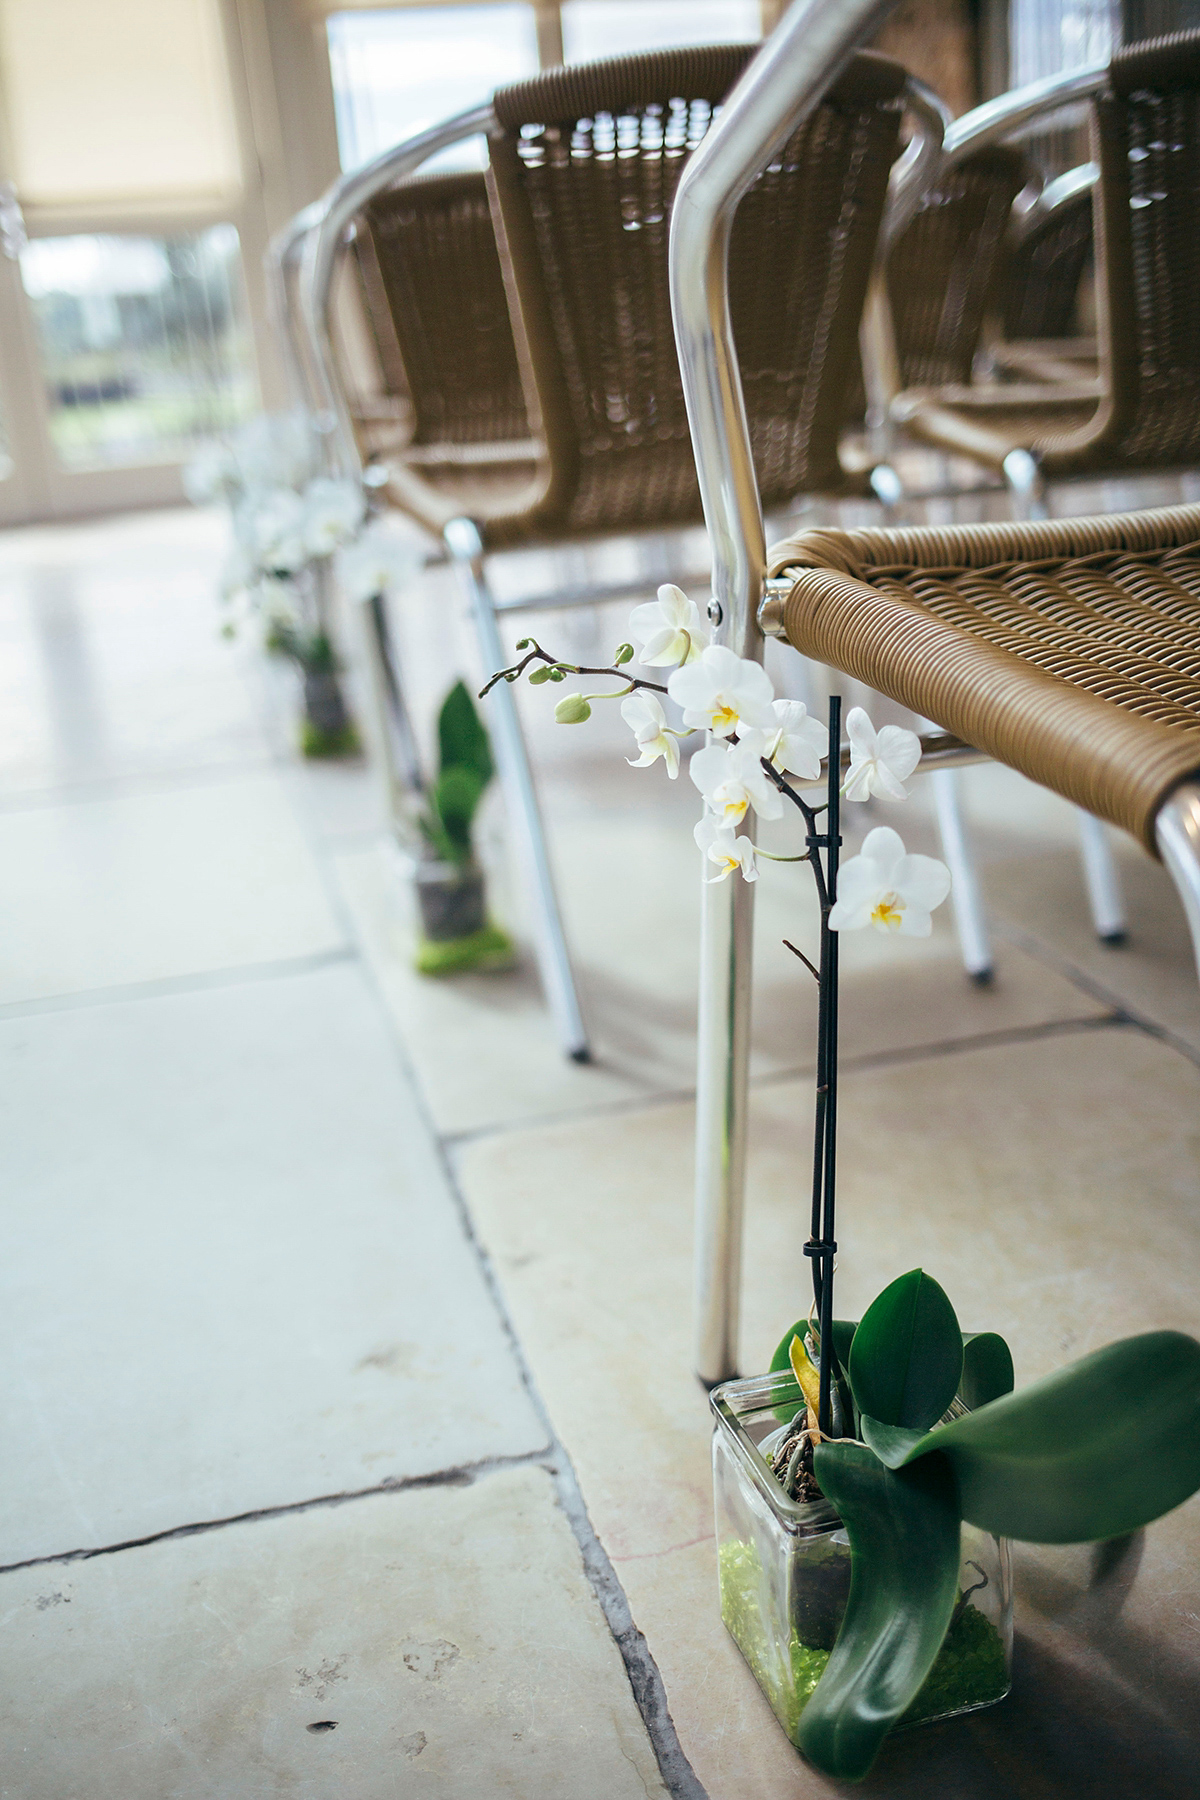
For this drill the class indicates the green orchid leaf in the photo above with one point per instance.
(906, 1359)
(987, 1371)
(456, 795)
(462, 736)
(1093, 1451)
(892, 1444)
(904, 1541)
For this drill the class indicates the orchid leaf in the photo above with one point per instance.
(904, 1541)
(808, 1377)
(892, 1444)
(907, 1356)
(1093, 1451)
(843, 1336)
(987, 1370)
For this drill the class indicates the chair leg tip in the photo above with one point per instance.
(982, 977)
(1116, 940)
(582, 1053)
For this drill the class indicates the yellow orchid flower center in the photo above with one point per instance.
(888, 911)
(724, 718)
(734, 811)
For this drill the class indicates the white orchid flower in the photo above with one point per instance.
(668, 629)
(886, 887)
(273, 531)
(796, 743)
(726, 849)
(720, 692)
(643, 713)
(212, 474)
(333, 512)
(379, 563)
(879, 760)
(731, 778)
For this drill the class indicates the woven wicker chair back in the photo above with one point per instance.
(584, 167)
(1148, 144)
(942, 271)
(437, 307)
(1042, 273)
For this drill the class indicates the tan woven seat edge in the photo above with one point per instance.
(1108, 761)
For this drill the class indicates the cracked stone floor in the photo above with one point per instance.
(350, 1446)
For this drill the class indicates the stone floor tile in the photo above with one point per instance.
(446, 1641)
(483, 1047)
(111, 662)
(235, 1277)
(1154, 974)
(149, 886)
(1052, 1185)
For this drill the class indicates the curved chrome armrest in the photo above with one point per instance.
(1177, 831)
(917, 169)
(1056, 194)
(283, 264)
(1005, 116)
(320, 246)
(776, 93)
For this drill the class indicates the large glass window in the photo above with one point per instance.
(1050, 36)
(399, 71)
(595, 28)
(144, 343)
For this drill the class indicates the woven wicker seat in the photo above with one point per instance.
(1146, 138)
(1068, 649)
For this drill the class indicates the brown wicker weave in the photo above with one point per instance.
(433, 277)
(1068, 649)
(942, 270)
(438, 313)
(585, 163)
(1146, 136)
(1042, 272)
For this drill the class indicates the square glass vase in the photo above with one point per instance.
(784, 1572)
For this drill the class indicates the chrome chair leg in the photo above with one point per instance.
(550, 944)
(1102, 879)
(969, 917)
(722, 1082)
(1177, 829)
(1026, 488)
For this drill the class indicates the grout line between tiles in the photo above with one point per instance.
(645, 1678)
(984, 1040)
(1088, 984)
(168, 985)
(457, 1141)
(461, 1476)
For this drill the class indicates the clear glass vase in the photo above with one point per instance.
(785, 1574)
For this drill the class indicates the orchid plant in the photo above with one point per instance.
(908, 1425)
(758, 748)
(293, 527)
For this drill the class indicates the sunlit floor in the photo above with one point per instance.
(347, 1352)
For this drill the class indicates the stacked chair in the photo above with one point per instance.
(1068, 650)
(1142, 414)
(584, 164)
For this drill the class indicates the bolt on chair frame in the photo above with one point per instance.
(777, 91)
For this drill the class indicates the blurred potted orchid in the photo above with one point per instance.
(288, 522)
(867, 1486)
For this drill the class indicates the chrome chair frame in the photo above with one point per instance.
(777, 90)
(304, 259)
